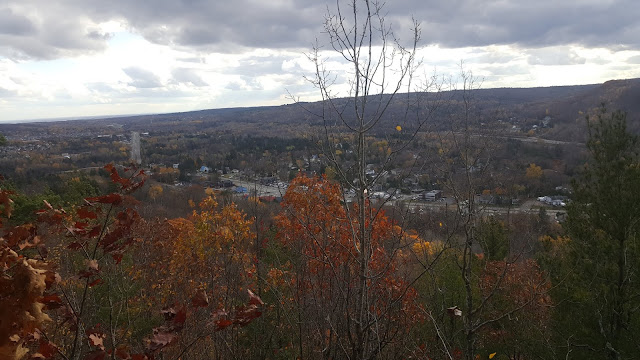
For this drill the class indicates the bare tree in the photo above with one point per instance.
(481, 269)
(379, 82)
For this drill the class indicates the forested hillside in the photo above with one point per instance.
(566, 107)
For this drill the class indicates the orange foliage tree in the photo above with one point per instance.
(207, 255)
(320, 285)
(517, 316)
(25, 283)
(209, 250)
(84, 309)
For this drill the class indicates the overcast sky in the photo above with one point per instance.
(69, 58)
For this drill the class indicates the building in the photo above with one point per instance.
(433, 195)
(136, 157)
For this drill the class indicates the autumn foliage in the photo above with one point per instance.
(520, 306)
(325, 286)
(97, 281)
(65, 290)
(209, 250)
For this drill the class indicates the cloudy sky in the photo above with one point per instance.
(71, 58)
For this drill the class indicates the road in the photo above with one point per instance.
(260, 190)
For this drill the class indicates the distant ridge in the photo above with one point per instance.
(70, 118)
(566, 105)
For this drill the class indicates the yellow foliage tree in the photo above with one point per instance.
(155, 191)
(533, 172)
(210, 250)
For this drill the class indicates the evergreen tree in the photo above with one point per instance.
(602, 289)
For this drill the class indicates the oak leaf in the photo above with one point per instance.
(200, 299)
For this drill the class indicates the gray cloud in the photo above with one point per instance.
(234, 86)
(492, 58)
(187, 76)
(245, 83)
(506, 70)
(255, 65)
(192, 59)
(634, 60)
(215, 25)
(226, 26)
(48, 33)
(15, 24)
(142, 78)
(554, 56)
(101, 87)
(529, 23)
(57, 35)
(153, 95)
(6, 93)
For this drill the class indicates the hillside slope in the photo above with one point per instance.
(519, 108)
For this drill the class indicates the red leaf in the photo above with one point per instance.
(218, 318)
(47, 349)
(51, 217)
(254, 299)
(96, 355)
(135, 186)
(22, 235)
(218, 314)
(200, 299)
(245, 315)
(127, 217)
(179, 319)
(84, 213)
(112, 198)
(122, 352)
(95, 282)
(69, 316)
(222, 324)
(95, 231)
(160, 339)
(80, 225)
(74, 246)
(51, 302)
(117, 257)
(115, 178)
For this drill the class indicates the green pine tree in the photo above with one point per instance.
(601, 288)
